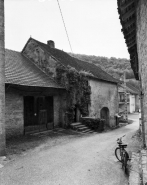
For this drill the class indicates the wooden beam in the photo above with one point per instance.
(132, 51)
(125, 5)
(128, 14)
(129, 23)
(130, 45)
(130, 36)
(130, 42)
(133, 37)
(130, 31)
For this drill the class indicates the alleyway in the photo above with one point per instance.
(87, 160)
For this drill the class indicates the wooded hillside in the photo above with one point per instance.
(114, 66)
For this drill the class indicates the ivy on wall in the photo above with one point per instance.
(78, 90)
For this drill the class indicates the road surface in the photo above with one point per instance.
(87, 160)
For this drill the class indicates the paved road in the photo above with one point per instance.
(88, 160)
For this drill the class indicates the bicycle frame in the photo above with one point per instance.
(124, 156)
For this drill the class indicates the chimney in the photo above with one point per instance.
(51, 43)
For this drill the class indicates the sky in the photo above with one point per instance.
(93, 26)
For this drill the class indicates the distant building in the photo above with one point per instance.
(133, 100)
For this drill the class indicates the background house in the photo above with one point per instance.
(133, 100)
(56, 63)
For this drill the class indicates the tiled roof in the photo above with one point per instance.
(130, 88)
(133, 89)
(20, 71)
(79, 65)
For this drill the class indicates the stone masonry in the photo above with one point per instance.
(134, 178)
(2, 80)
(14, 119)
(144, 166)
(142, 50)
(104, 95)
(14, 114)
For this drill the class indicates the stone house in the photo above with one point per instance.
(133, 100)
(104, 89)
(133, 17)
(33, 101)
(37, 99)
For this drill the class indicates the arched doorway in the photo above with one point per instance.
(105, 115)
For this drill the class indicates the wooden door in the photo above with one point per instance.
(50, 111)
(28, 110)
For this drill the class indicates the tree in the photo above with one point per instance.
(2, 81)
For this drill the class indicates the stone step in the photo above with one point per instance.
(92, 131)
(87, 130)
(75, 124)
(82, 128)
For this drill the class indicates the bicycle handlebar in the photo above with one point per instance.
(119, 139)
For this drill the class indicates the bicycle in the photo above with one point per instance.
(121, 154)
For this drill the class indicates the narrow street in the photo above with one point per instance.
(87, 160)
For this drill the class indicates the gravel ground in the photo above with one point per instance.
(66, 157)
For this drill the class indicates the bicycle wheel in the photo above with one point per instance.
(124, 161)
(127, 166)
(118, 154)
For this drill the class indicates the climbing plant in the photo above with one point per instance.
(78, 89)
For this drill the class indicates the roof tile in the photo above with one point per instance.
(20, 71)
(79, 65)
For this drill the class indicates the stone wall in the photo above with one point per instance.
(40, 58)
(14, 121)
(103, 94)
(57, 105)
(59, 109)
(2, 80)
(142, 50)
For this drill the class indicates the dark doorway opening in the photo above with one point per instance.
(76, 114)
(105, 115)
(28, 111)
(38, 113)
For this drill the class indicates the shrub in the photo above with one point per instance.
(95, 124)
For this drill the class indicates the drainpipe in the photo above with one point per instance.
(142, 114)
